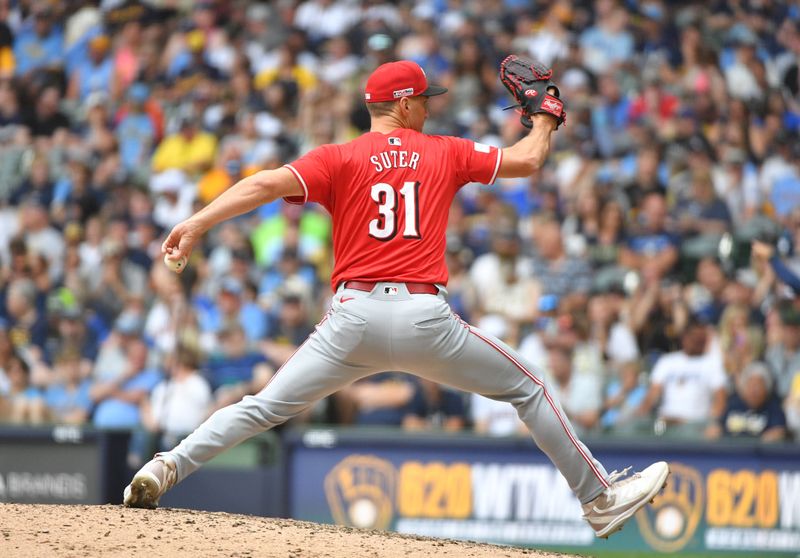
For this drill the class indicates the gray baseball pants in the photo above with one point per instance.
(390, 329)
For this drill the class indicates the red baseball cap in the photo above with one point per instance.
(395, 80)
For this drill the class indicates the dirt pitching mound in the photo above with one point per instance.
(38, 530)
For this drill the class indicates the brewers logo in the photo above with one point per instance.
(361, 491)
(669, 523)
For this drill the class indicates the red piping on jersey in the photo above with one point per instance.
(539, 383)
(497, 165)
(300, 178)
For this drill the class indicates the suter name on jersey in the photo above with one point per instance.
(395, 160)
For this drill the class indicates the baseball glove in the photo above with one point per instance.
(529, 83)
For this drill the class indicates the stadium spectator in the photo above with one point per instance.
(503, 283)
(289, 272)
(745, 77)
(190, 68)
(384, 399)
(764, 252)
(307, 232)
(705, 297)
(94, 73)
(557, 273)
(237, 370)
(753, 410)
(112, 357)
(190, 149)
(580, 394)
(702, 212)
(607, 44)
(27, 325)
(740, 342)
(589, 356)
(75, 199)
(609, 327)
(136, 131)
(38, 186)
(40, 43)
(651, 249)
(179, 403)
(118, 279)
(68, 327)
(162, 322)
(736, 183)
(658, 314)
(609, 116)
(495, 418)
(117, 400)
(175, 196)
(783, 350)
(24, 401)
(46, 123)
(623, 396)
(436, 407)
(226, 172)
(597, 231)
(323, 19)
(688, 388)
(286, 329)
(41, 237)
(232, 306)
(67, 397)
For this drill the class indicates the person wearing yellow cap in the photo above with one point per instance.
(192, 67)
(6, 43)
(288, 69)
(95, 72)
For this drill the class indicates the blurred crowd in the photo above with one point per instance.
(648, 270)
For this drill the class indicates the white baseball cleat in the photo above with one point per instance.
(608, 512)
(148, 485)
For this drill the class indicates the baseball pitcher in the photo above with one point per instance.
(388, 193)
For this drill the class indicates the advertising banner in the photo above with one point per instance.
(726, 499)
(49, 466)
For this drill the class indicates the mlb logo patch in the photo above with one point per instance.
(394, 141)
(391, 291)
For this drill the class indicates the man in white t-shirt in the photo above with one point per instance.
(180, 403)
(689, 384)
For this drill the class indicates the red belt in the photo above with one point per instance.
(413, 288)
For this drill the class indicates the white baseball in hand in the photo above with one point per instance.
(175, 265)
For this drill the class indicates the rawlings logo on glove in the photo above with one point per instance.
(553, 106)
(529, 83)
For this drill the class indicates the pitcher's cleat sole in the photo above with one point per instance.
(666, 482)
(142, 492)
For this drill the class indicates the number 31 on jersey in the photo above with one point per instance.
(385, 226)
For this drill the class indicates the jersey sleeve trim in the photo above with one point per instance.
(497, 165)
(295, 199)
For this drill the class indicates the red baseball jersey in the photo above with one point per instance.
(389, 196)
